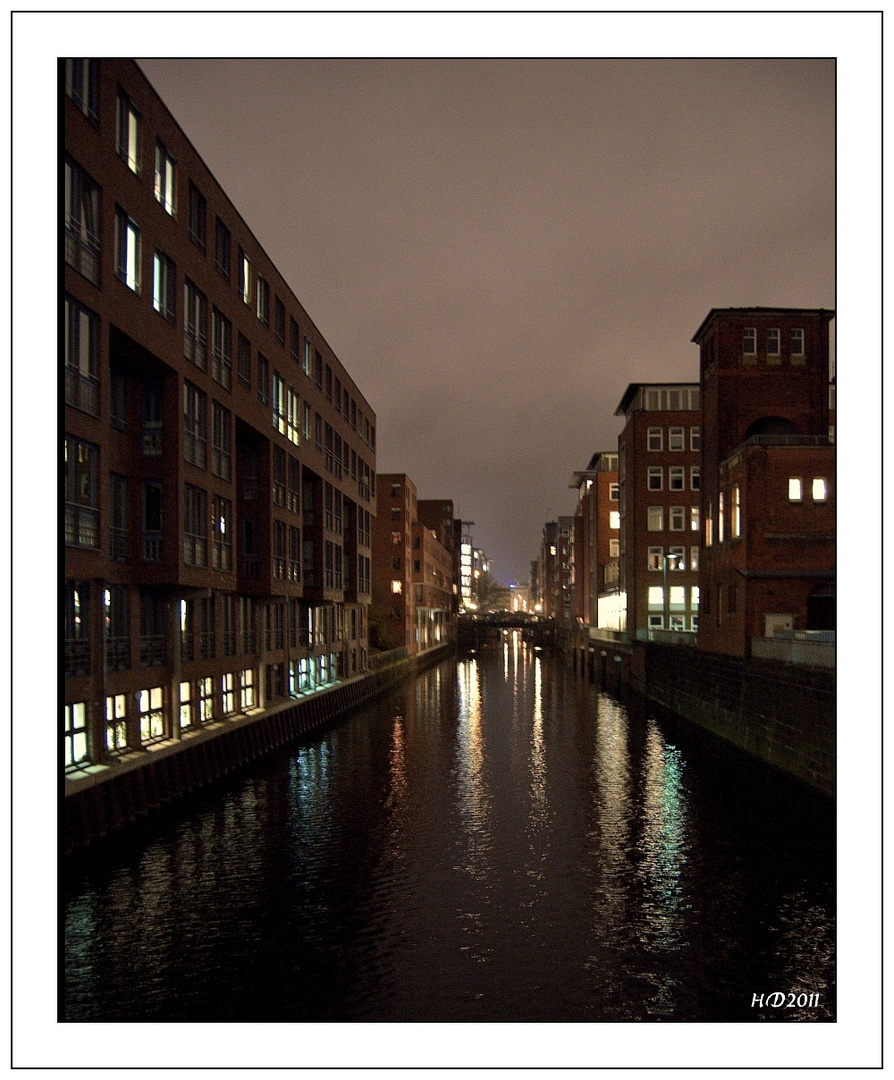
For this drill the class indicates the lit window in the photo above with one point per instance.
(116, 726)
(676, 438)
(656, 554)
(163, 285)
(655, 438)
(773, 342)
(693, 518)
(244, 277)
(164, 178)
(749, 341)
(614, 549)
(151, 714)
(127, 249)
(677, 518)
(709, 527)
(818, 489)
(128, 133)
(614, 519)
(75, 733)
(797, 342)
(656, 519)
(693, 558)
(720, 521)
(693, 601)
(736, 512)
(397, 586)
(656, 596)
(794, 489)
(677, 596)
(677, 558)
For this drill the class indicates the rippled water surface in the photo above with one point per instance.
(499, 841)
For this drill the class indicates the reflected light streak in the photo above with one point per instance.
(539, 806)
(474, 800)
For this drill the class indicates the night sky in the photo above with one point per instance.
(496, 248)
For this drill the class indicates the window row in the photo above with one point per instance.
(772, 343)
(677, 518)
(676, 438)
(672, 399)
(676, 478)
(818, 488)
(678, 597)
(674, 558)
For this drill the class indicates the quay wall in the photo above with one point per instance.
(104, 801)
(783, 714)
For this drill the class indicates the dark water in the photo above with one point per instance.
(496, 842)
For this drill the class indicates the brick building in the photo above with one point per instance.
(219, 459)
(595, 540)
(659, 462)
(768, 475)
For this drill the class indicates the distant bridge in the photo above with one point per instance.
(474, 630)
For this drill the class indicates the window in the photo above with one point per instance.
(194, 527)
(81, 222)
(796, 346)
(153, 616)
(164, 178)
(397, 587)
(818, 489)
(655, 438)
(152, 726)
(318, 369)
(293, 417)
(720, 522)
(294, 553)
(655, 478)
(263, 300)
(127, 133)
(294, 485)
(244, 361)
(74, 733)
(263, 379)
(228, 693)
(197, 214)
(677, 518)
(127, 250)
(81, 383)
(163, 285)
(676, 438)
(278, 479)
(81, 77)
(306, 364)
(221, 441)
(187, 716)
(81, 494)
(794, 489)
(749, 341)
(246, 689)
(735, 512)
(77, 637)
(614, 549)
(693, 518)
(221, 349)
(695, 478)
(709, 527)
(676, 478)
(195, 332)
(693, 557)
(150, 511)
(656, 596)
(773, 342)
(116, 726)
(656, 555)
(194, 425)
(614, 519)
(117, 517)
(279, 320)
(656, 622)
(294, 341)
(280, 534)
(307, 421)
(279, 403)
(695, 438)
(222, 249)
(614, 491)
(117, 627)
(244, 277)
(655, 519)
(676, 558)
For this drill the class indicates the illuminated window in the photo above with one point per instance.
(163, 285)
(720, 518)
(244, 277)
(676, 558)
(263, 300)
(397, 586)
(693, 597)
(127, 140)
(709, 527)
(655, 438)
(151, 715)
(749, 341)
(164, 178)
(773, 342)
(818, 489)
(797, 342)
(246, 689)
(794, 489)
(655, 519)
(75, 733)
(676, 438)
(693, 558)
(655, 478)
(116, 726)
(127, 250)
(206, 700)
(656, 596)
(186, 714)
(736, 512)
(614, 549)
(656, 554)
(614, 519)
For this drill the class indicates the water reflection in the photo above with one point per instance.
(473, 799)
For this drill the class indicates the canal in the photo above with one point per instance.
(499, 840)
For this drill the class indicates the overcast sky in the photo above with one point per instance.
(496, 248)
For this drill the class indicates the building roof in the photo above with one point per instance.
(716, 313)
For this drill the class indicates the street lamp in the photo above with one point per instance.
(665, 559)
